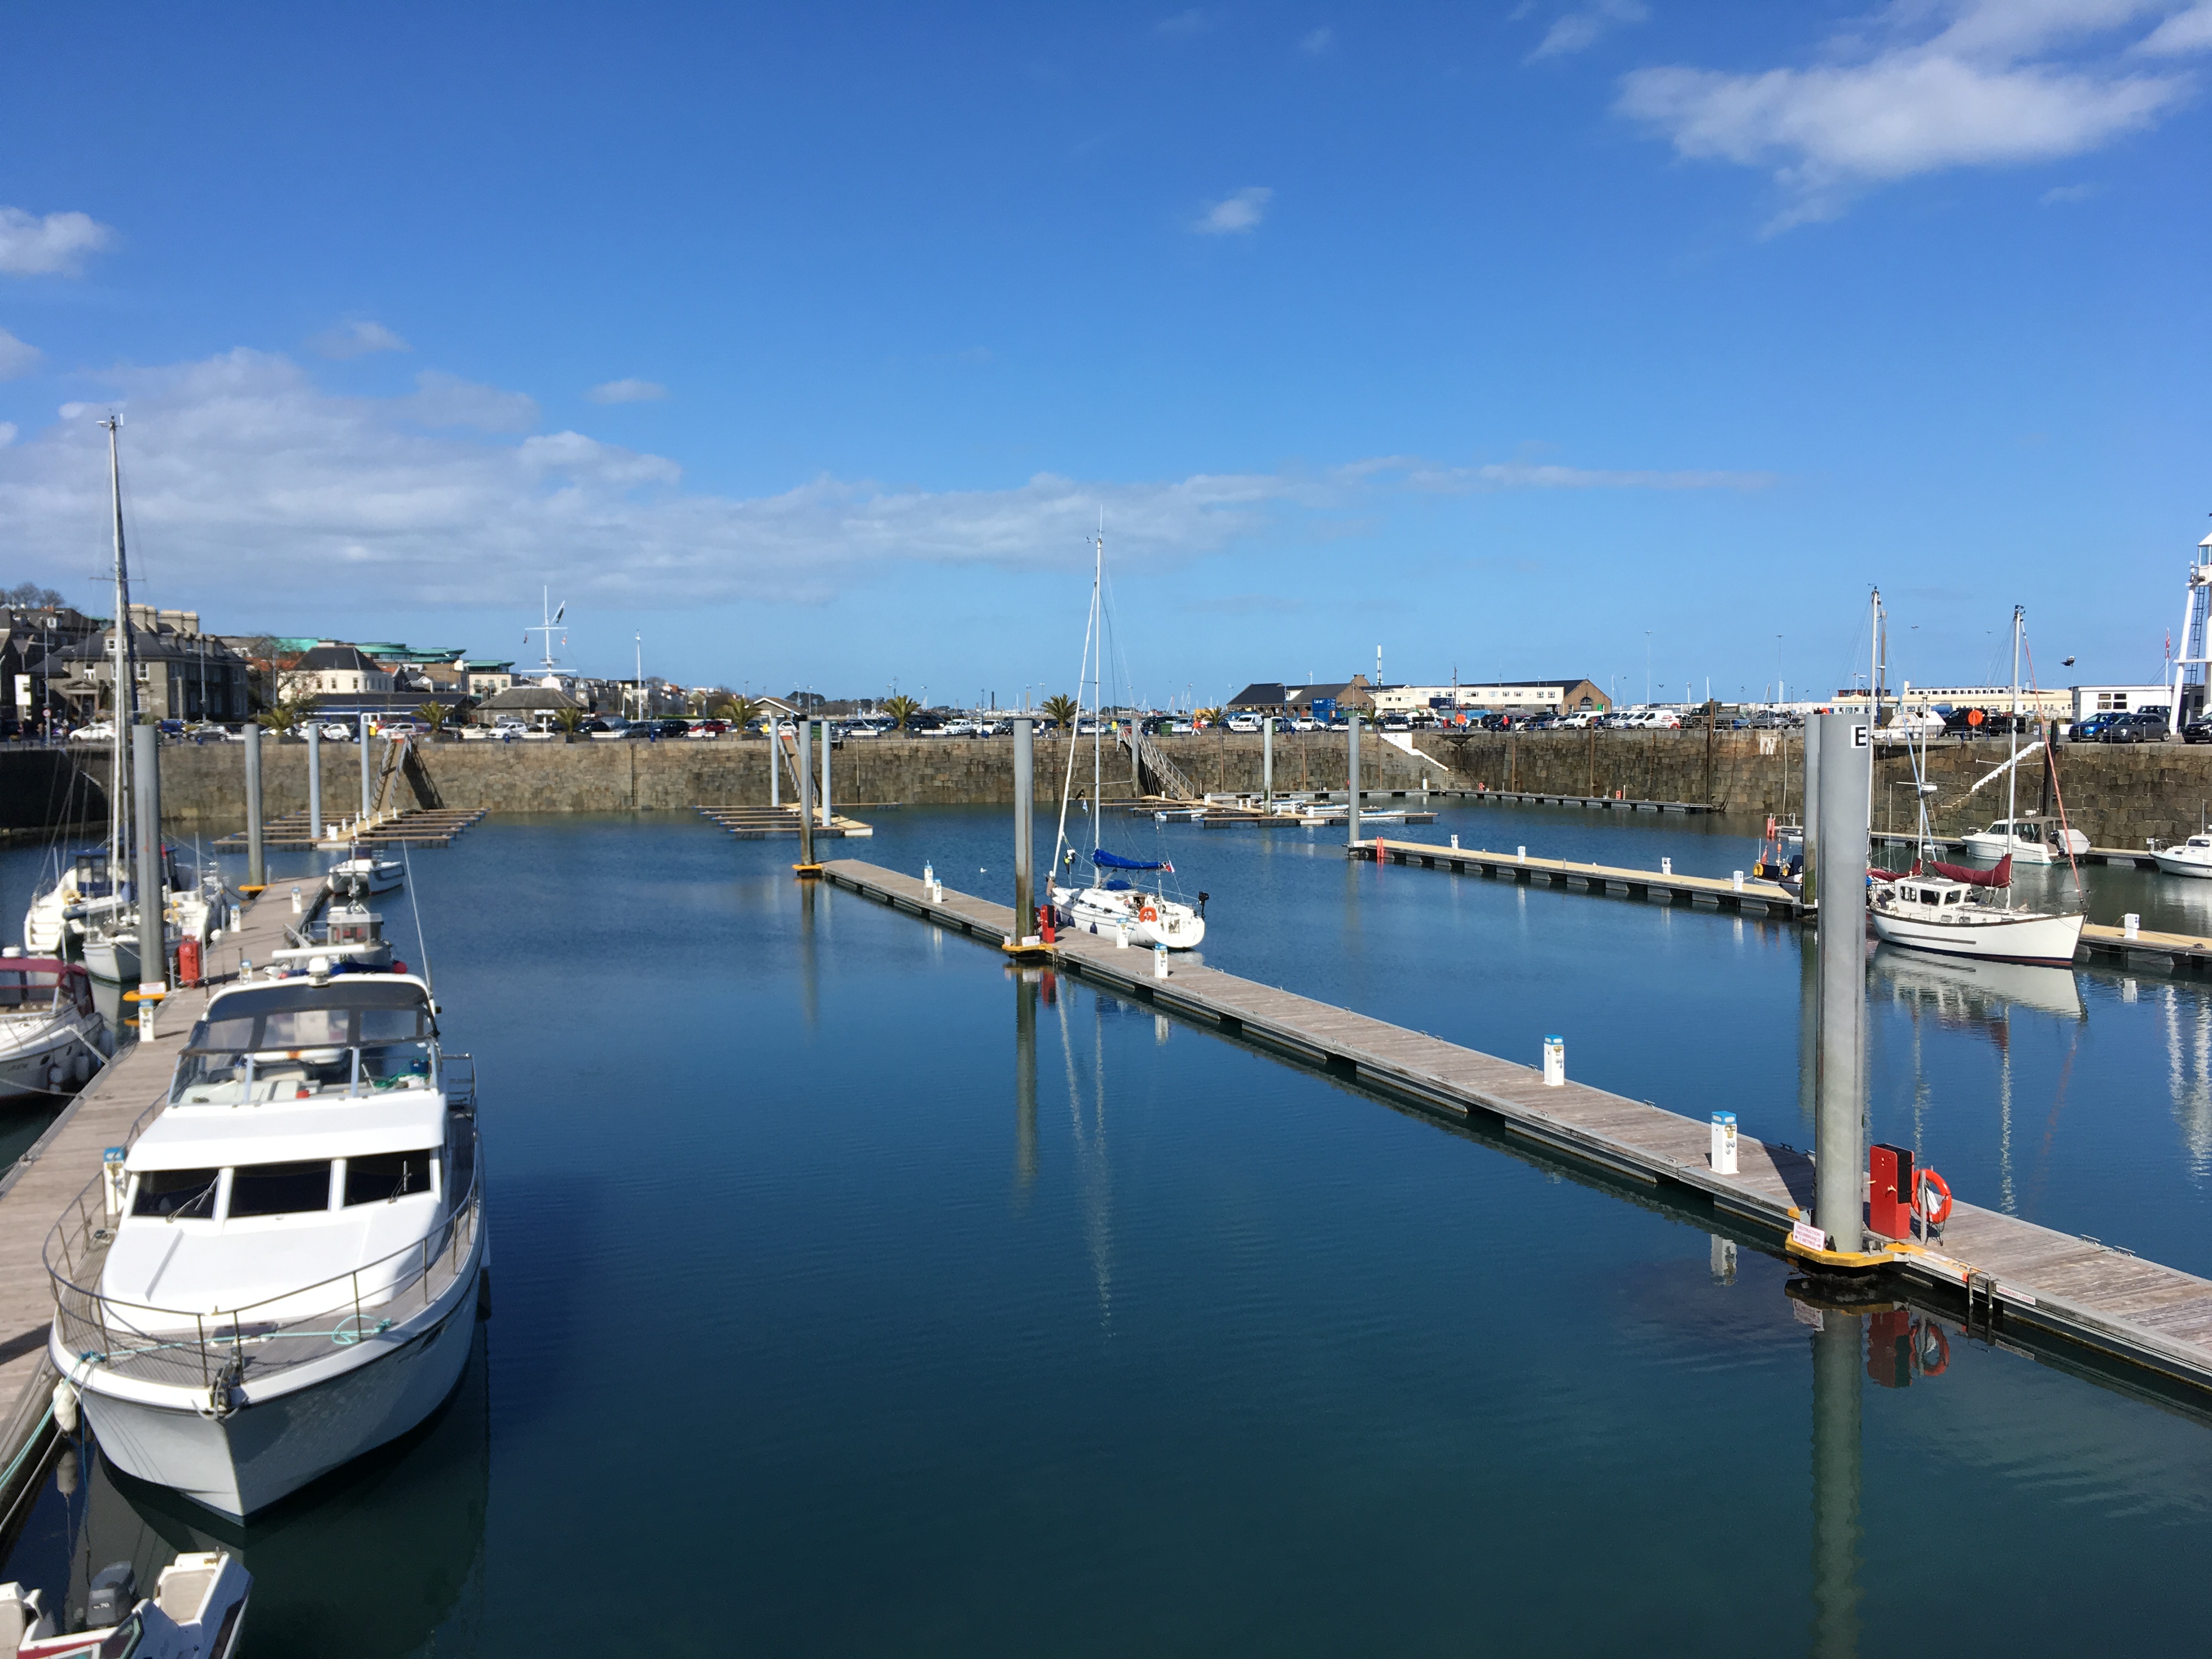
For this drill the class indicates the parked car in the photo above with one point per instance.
(605, 726)
(97, 731)
(2143, 725)
(2198, 730)
(2089, 730)
(337, 732)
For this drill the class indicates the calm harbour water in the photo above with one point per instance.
(854, 1295)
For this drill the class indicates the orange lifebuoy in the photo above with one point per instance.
(1931, 1349)
(1147, 914)
(1929, 1212)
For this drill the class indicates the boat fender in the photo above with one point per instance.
(57, 1075)
(1147, 914)
(1930, 1211)
(65, 1405)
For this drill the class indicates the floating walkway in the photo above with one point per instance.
(425, 826)
(769, 823)
(1749, 897)
(2144, 949)
(2015, 1281)
(1525, 797)
(109, 1111)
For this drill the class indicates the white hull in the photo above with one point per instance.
(1097, 910)
(1983, 848)
(265, 1449)
(2028, 937)
(31, 1053)
(2174, 864)
(361, 876)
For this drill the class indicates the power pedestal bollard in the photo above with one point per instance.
(2130, 926)
(1454, 840)
(1555, 1061)
(1723, 1152)
(1666, 867)
(296, 905)
(1159, 962)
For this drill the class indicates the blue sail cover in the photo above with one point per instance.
(1106, 860)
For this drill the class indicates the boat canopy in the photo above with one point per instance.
(1999, 877)
(1106, 860)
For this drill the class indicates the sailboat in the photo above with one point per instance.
(1953, 910)
(2030, 838)
(1111, 902)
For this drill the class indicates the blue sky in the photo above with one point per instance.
(1515, 339)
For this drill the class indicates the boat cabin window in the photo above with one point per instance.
(280, 1188)
(386, 1175)
(1954, 896)
(174, 1192)
(295, 1042)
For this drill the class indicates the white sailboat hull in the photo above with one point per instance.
(1997, 936)
(1099, 910)
(2176, 862)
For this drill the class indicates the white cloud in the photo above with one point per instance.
(1236, 214)
(442, 399)
(1317, 41)
(627, 392)
(7, 433)
(2185, 32)
(1982, 90)
(357, 339)
(1579, 30)
(1193, 21)
(2061, 194)
(16, 358)
(268, 488)
(54, 245)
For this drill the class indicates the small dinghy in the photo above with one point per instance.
(194, 1612)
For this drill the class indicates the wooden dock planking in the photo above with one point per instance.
(2039, 1281)
(35, 1192)
(425, 826)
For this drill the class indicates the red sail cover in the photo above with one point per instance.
(1999, 877)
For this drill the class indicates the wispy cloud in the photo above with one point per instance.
(1586, 26)
(2185, 32)
(52, 245)
(1933, 84)
(246, 472)
(16, 358)
(2060, 195)
(1233, 216)
(357, 339)
(443, 400)
(1194, 22)
(1315, 42)
(627, 392)
(7, 433)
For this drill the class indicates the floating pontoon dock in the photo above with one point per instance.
(767, 823)
(2153, 1323)
(426, 826)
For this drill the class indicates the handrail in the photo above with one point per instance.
(178, 1342)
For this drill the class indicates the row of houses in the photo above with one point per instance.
(1355, 696)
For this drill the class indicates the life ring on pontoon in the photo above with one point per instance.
(1929, 1212)
(1145, 912)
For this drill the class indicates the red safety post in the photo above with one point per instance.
(1044, 923)
(188, 960)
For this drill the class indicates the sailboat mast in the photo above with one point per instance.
(2012, 773)
(1097, 679)
(126, 679)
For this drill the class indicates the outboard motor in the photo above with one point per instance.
(114, 1592)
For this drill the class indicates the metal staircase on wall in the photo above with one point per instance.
(1167, 778)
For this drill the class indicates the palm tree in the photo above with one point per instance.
(739, 709)
(1207, 716)
(1061, 709)
(569, 718)
(901, 708)
(434, 714)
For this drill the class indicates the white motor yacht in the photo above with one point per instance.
(79, 897)
(364, 874)
(52, 1038)
(2035, 838)
(1948, 910)
(196, 1612)
(353, 935)
(2192, 858)
(283, 1272)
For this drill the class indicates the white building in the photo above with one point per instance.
(1500, 697)
(2118, 699)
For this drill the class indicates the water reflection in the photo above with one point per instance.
(1094, 1169)
(2187, 1018)
(383, 1558)
(1027, 985)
